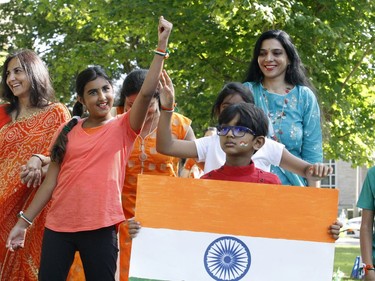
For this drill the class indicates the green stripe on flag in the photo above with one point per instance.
(143, 279)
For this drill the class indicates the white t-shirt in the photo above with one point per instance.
(210, 152)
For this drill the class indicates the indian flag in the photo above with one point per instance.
(198, 230)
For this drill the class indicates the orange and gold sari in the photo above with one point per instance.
(18, 141)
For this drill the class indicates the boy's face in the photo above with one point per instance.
(240, 143)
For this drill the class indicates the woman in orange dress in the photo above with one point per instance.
(145, 159)
(28, 120)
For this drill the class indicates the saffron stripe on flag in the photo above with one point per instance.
(236, 208)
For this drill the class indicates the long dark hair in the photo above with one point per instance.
(295, 72)
(87, 75)
(41, 90)
(231, 88)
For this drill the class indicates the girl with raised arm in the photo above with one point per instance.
(86, 175)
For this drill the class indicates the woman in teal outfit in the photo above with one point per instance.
(277, 78)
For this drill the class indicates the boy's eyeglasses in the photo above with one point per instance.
(237, 131)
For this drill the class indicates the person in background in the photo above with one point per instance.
(144, 158)
(28, 120)
(242, 130)
(366, 202)
(85, 214)
(277, 79)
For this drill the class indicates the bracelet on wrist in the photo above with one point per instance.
(166, 109)
(37, 156)
(162, 53)
(367, 267)
(22, 216)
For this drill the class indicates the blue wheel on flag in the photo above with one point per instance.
(227, 259)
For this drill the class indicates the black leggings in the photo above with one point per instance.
(98, 250)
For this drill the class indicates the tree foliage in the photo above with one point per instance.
(212, 43)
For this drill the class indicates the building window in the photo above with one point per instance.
(330, 180)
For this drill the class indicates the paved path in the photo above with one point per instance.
(347, 241)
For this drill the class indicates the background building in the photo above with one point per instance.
(349, 182)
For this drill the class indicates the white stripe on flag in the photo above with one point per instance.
(164, 254)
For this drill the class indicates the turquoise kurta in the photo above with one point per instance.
(295, 122)
(367, 199)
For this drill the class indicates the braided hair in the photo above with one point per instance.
(59, 148)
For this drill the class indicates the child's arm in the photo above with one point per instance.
(366, 236)
(312, 172)
(139, 109)
(165, 144)
(190, 135)
(315, 172)
(16, 238)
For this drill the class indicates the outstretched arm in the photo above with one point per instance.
(139, 109)
(312, 172)
(16, 238)
(165, 144)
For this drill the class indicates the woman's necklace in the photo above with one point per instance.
(277, 117)
(143, 156)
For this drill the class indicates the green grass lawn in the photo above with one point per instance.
(344, 259)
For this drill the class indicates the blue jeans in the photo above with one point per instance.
(98, 250)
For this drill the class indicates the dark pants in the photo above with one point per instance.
(98, 250)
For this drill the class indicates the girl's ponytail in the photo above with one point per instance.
(59, 148)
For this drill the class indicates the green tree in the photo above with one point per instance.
(212, 43)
